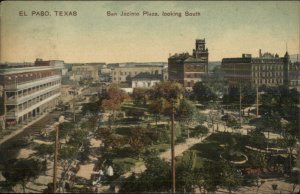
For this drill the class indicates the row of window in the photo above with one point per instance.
(267, 67)
(193, 75)
(295, 83)
(37, 99)
(268, 81)
(135, 73)
(267, 74)
(29, 91)
(25, 77)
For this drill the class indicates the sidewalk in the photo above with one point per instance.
(16, 132)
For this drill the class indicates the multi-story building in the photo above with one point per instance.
(125, 74)
(189, 69)
(29, 91)
(266, 69)
(85, 71)
(294, 75)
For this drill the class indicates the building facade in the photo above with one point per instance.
(266, 69)
(294, 75)
(146, 80)
(29, 92)
(189, 69)
(125, 74)
(84, 71)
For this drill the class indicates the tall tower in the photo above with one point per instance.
(201, 52)
(286, 62)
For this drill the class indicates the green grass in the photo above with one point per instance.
(134, 106)
(128, 121)
(123, 165)
(213, 146)
(123, 131)
(160, 147)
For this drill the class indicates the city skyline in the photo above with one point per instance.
(92, 36)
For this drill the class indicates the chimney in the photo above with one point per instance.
(260, 53)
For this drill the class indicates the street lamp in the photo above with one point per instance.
(60, 120)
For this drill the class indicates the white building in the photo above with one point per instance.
(125, 74)
(146, 80)
(29, 92)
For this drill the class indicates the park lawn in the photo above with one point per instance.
(191, 156)
(125, 131)
(160, 147)
(123, 165)
(214, 145)
(208, 150)
(125, 106)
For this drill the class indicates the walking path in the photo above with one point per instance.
(179, 149)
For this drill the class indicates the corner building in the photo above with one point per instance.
(29, 91)
(188, 69)
(267, 69)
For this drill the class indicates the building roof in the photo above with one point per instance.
(193, 60)
(181, 56)
(147, 76)
(237, 60)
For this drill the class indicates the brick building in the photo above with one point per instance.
(266, 69)
(188, 69)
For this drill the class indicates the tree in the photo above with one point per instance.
(203, 93)
(65, 129)
(77, 137)
(156, 178)
(168, 90)
(44, 150)
(163, 95)
(67, 154)
(211, 176)
(200, 131)
(21, 171)
(257, 139)
(172, 92)
(187, 115)
(92, 107)
(140, 96)
(231, 178)
(157, 107)
(289, 142)
(248, 93)
(187, 176)
(114, 98)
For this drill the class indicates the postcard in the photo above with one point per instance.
(149, 96)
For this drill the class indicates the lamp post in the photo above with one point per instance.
(60, 120)
(173, 152)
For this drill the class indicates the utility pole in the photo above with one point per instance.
(173, 151)
(55, 158)
(240, 106)
(256, 100)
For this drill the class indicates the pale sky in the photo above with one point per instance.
(229, 28)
